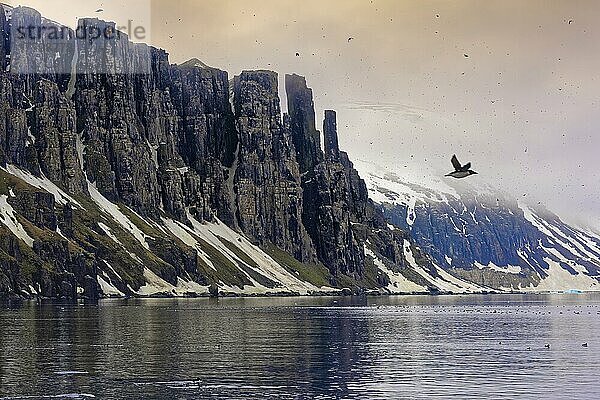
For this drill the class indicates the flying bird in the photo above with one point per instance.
(460, 171)
(99, 10)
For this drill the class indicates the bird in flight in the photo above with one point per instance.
(460, 171)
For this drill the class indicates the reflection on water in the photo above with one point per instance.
(355, 348)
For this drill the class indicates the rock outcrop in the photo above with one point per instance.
(267, 182)
(301, 110)
(332, 148)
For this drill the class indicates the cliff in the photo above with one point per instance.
(131, 176)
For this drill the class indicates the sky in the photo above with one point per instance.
(512, 86)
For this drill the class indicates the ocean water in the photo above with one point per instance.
(402, 347)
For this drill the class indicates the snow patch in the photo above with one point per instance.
(210, 232)
(41, 183)
(559, 279)
(509, 269)
(180, 231)
(190, 286)
(113, 210)
(30, 137)
(386, 186)
(33, 291)
(105, 282)
(459, 283)
(411, 216)
(112, 269)
(108, 289)
(213, 232)
(60, 233)
(156, 285)
(154, 153)
(81, 148)
(194, 62)
(9, 218)
(446, 282)
(398, 282)
(108, 232)
(530, 216)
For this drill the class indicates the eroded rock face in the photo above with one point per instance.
(37, 207)
(117, 158)
(326, 187)
(207, 138)
(267, 178)
(3, 38)
(447, 228)
(52, 131)
(332, 148)
(332, 228)
(301, 109)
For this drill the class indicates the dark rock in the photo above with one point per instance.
(118, 159)
(66, 225)
(332, 148)
(90, 288)
(67, 288)
(37, 207)
(53, 129)
(267, 179)
(305, 136)
(326, 192)
(4, 33)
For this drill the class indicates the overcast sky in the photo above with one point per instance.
(513, 86)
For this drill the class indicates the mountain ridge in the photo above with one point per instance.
(475, 232)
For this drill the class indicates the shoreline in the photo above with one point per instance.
(284, 295)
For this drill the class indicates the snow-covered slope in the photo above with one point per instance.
(486, 236)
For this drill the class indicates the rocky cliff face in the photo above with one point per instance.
(130, 176)
(266, 182)
(326, 191)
